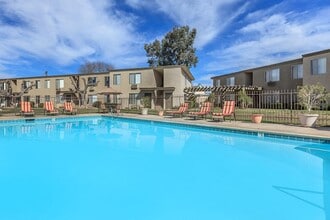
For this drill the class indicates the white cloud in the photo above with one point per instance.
(67, 31)
(208, 17)
(275, 37)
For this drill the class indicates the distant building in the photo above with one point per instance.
(312, 68)
(123, 86)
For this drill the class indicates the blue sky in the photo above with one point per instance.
(59, 36)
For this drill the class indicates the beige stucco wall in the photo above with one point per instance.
(177, 78)
(148, 79)
(152, 81)
(286, 81)
(240, 79)
(323, 79)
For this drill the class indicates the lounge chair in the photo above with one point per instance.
(49, 108)
(228, 110)
(26, 109)
(182, 109)
(204, 110)
(69, 109)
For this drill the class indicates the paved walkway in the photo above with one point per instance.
(317, 132)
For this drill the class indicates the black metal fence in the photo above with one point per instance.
(277, 106)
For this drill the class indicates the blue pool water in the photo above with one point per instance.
(110, 168)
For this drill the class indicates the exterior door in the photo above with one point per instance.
(168, 100)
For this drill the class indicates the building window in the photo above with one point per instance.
(47, 98)
(3, 85)
(37, 84)
(91, 81)
(217, 82)
(26, 84)
(37, 100)
(59, 83)
(132, 100)
(231, 81)
(92, 99)
(47, 84)
(59, 99)
(297, 71)
(272, 75)
(134, 78)
(116, 79)
(116, 98)
(319, 66)
(107, 81)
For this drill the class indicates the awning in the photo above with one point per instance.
(157, 89)
(220, 88)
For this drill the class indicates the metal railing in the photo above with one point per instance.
(277, 106)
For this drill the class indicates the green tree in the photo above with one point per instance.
(311, 96)
(244, 99)
(175, 49)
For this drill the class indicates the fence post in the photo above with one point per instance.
(291, 107)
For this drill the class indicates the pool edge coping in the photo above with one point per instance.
(187, 123)
(224, 128)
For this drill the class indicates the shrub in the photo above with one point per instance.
(311, 96)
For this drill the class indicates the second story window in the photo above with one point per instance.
(37, 84)
(59, 83)
(91, 81)
(107, 81)
(116, 79)
(272, 75)
(297, 71)
(319, 66)
(134, 78)
(47, 84)
(26, 84)
(217, 82)
(3, 86)
(231, 81)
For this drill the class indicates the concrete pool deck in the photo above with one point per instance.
(296, 130)
(281, 129)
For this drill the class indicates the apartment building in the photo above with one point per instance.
(125, 87)
(311, 68)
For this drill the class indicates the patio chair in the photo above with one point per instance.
(69, 109)
(103, 108)
(49, 108)
(204, 110)
(26, 109)
(182, 109)
(228, 110)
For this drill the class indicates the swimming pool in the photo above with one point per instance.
(116, 168)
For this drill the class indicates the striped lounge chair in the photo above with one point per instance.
(26, 109)
(182, 109)
(49, 108)
(204, 110)
(228, 110)
(69, 109)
